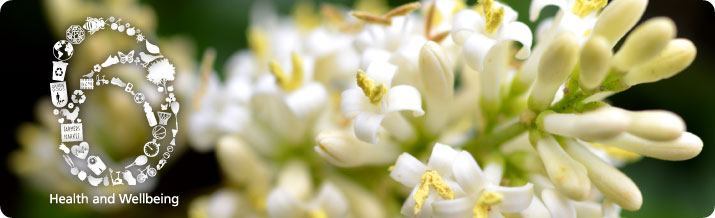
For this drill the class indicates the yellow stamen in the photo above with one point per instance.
(295, 80)
(583, 8)
(617, 153)
(258, 42)
(371, 18)
(386, 19)
(207, 63)
(433, 18)
(369, 88)
(485, 202)
(305, 16)
(403, 9)
(493, 16)
(431, 179)
(318, 213)
(430, 18)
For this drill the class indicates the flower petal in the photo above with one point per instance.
(466, 22)
(441, 159)
(538, 5)
(332, 200)
(475, 50)
(468, 174)
(308, 100)
(558, 205)
(493, 172)
(382, 72)
(281, 203)
(404, 97)
(407, 170)
(459, 207)
(518, 31)
(536, 209)
(515, 199)
(353, 102)
(366, 126)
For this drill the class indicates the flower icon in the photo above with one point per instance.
(78, 97)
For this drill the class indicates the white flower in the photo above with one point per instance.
(486, 36)
(293, 196)
(374, 98)
(430, 182)
(399, 44)
(493, 23)
(453, 185)
(575, 16)
(484, 196)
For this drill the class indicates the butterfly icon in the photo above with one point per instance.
(128, 58)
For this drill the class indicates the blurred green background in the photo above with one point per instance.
(670, 189)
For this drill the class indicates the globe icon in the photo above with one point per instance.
(62, 50)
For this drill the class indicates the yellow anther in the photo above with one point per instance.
(371, 18)
(318, 213)
(305, 15)
(403, 9)
(434, 17)
(386, 19)
(295, 80)
(583, 8)
(430, 179)
(485, 202)
(492, 14)
(258, 42)
(369, 88)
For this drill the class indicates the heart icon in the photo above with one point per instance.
(80, 151)
(61, 120)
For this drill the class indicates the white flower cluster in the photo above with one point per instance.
(358, 87)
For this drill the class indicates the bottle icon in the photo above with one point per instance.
(149, 114)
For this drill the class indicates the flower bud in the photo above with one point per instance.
(656, 125)
(345, 150)
(684, 147)
(644, 43)
(555, 65)
(603, 123)
(295, 179)
(676, 56)
(618, 18)
(569, 176)
(615, 185)
(595, 62)
(242, 166)
(438, 83)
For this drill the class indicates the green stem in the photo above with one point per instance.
(488, 141)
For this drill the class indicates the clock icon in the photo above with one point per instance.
(151, 149)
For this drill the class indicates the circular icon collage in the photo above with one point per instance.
(88, 166)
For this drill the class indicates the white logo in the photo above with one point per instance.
(160, 73)
(2, 215)
(712, 2)
(2, 2)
